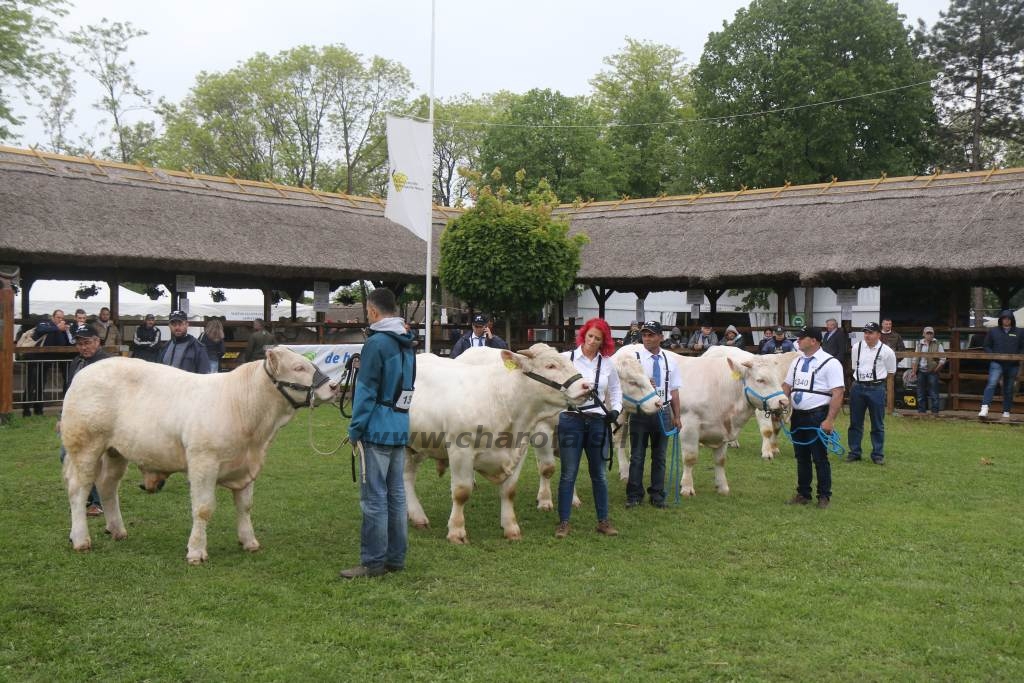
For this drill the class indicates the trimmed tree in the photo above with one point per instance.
(507, 257)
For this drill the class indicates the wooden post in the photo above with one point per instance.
(713, 296)
(780, 294)
(7, 352)
(267, 293)
(890, 393)
(26, 287)
(953, 390)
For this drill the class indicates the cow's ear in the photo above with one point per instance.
(273, 360)
(736, 368)
(512, 361)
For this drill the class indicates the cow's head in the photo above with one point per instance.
(545, 365)
(762, 388)
(636, 386)
(297, 378)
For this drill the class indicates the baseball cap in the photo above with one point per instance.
(812, 332)
(928, 329)
(872, 327)
(651, 326)
(780, 330)
(178, 315)
(479, 319)
(150, 316)
(85, 331)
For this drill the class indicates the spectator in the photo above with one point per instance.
(80, 320)
(732, 337)
(768, 334)
(925, 371)
(110, 335)
(873, 361)
(380, 412)
(479, 336)
(675, 341)
(183, 351)
(258, 340)
(702, 339)
(1003, 338)
(41, 366)
(778, 343)
(891, 337)
(633, 336)
(586, 427)
(146, 344)
(212, 340)
(836, 343)
(651, 429)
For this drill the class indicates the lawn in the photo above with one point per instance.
(916, 572)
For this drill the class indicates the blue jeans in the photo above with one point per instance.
(927, 391)
(94, 495)
(1008, 372)
(384, 536)
(214, 367)
(869, 397)
(812, 457)
(644, 429)
(576, 433)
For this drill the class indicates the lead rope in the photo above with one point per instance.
(675, 465)
(309, 423)
(833, 443)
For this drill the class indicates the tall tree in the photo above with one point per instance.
(978, 45)
(787, 58)
(645, 95)
(24, 24)
(56, 92)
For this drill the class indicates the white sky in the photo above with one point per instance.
(481, 46)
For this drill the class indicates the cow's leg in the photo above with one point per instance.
(689, 441)
(462, 486)
(769, 445)
(622, 448)
(773, 440)
(202, 483)
(546, 468)
(243, 510)
(112, 468)
(720, 482)
(412, 503)
(507, 491)
(79, 475)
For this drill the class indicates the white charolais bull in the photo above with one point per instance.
(769, 424)
(214, 427)
(647, 401)
(479, 417)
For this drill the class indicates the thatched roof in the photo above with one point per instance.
(72, 217)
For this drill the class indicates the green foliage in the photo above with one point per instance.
(753, 299)
(24, 24)
(777, 54)
(509, 257)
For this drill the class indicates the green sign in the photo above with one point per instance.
(798, 321)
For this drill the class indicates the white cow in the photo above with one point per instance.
(214, 427)
(769, 425)
(647, 402)
(480, 417)
(636, 392)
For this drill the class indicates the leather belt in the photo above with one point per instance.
(870, 384)
(810, 410)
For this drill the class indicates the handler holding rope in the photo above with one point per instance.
(815, 389)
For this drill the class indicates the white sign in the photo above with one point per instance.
(186, 283)
(410, 174)
(330, 358)
(321, 296)
(847, 312)
(846, 297)
(695, 297)
(695, 312)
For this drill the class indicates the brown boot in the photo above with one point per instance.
(563, 530)
(605, 527)
(798, 500)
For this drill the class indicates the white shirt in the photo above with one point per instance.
(475, 341)
(873, 364)
(608, 388)
(667, 364)
(828, 378)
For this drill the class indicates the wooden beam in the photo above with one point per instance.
(6, 353)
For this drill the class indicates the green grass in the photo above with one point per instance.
(915, 573)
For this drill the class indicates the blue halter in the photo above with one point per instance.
(638, 403)
(748, 392)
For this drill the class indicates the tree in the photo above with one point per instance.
(786, 59)
(554, 137)
(23, 26)
(978, 45)
(509, 257)
(645, 97)
(56, 92)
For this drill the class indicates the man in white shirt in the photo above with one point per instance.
(814, 385)
(480, 335)
(872, 362)
(644, 429)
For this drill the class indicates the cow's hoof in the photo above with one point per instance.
(689, 493)
(118, 534)
(458, 537)
(723, 492)
(733, 444)
(83, 547)
(252, 546)
(196, 557)
(421, 523)
(545, 505)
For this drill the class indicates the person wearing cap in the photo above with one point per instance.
(87, 343)
(255, 348)
(925, 371)
(1003, 338)
(480, 335)
(650, 430)
(732, 337)
(702, 339)
(183, 351)
(815, 386)
(778, 342)
(873, 361)
(146, 344)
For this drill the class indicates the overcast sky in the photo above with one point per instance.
(481, 46)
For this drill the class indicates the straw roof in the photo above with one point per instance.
(73, 217)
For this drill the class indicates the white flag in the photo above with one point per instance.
(410, 165)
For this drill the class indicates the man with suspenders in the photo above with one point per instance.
(815, 386)
(873, 361)
(643, 428)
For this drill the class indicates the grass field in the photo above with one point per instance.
(915, 573)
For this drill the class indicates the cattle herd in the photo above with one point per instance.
(479, 413)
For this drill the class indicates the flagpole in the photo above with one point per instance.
(428, 318)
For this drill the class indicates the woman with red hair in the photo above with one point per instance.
(584, 428)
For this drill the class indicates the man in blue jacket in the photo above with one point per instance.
(1003, 338)
(379, 430)
(184, 351)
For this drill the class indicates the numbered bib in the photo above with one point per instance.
(404, 401)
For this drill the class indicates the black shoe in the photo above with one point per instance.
(853, 458)
(658, 504)
(632, 503)
(392, 568)
(362, 571)
(878, 461)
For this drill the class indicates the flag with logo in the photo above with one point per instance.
(410, 164)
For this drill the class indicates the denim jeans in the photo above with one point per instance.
(812, 457)
(384, 535)
(1008, 372)
(214, 367)
(644, 429)
(870, 398)
(94, 495)
(927, 391)
(576, 434)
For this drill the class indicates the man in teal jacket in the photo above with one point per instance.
(379, 429)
